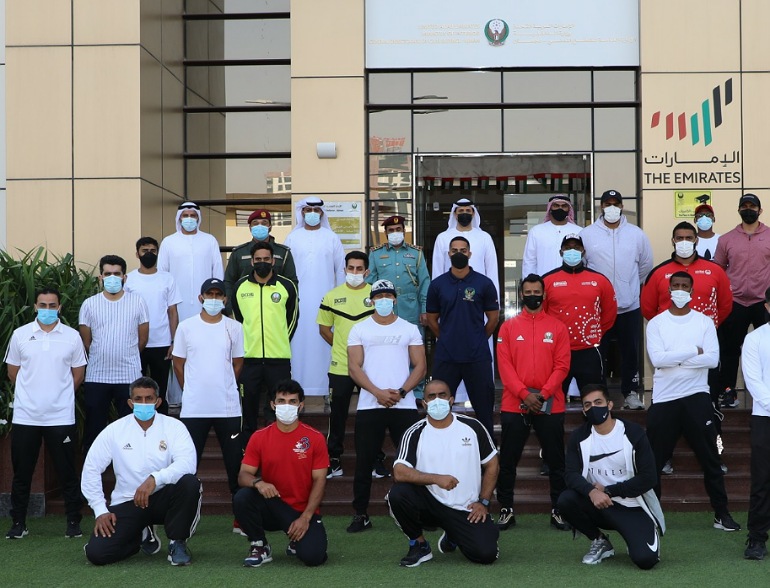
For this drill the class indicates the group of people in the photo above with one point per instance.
(226, 343)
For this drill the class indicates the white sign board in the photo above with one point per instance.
(407, 34)
(345, 220)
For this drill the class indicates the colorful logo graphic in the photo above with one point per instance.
(496, 31)
(710, 109)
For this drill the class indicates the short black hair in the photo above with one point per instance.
(112, 260)
(588, 388)
(146, 241)
(288, 387)
(261, 245)
(145, 383)
(53, 291)
(531, 279)
(437, 381)
(686, 226)
(681, 275)
(458, 238)
(358, 255)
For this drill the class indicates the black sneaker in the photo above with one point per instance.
(726, 523)
(558, 523)
(730, 399)
(379, 470)
(291, 548)
(755, 549)
(17, 531)
(445, 545)
(73, 530)
(335, 468)
(418, 553)
(506, 519)
(544, 469)
(178, 554)
(150, 541)
(359, 523)
(260, 553)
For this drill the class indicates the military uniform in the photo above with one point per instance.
(239, 265)
(404, 266)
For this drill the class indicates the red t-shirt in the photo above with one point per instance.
(286, 460)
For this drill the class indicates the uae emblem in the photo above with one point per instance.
(496, 31)
(469, 294)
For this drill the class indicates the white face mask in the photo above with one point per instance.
(395, 239)
(438, 409)
(612, 214)
(286, 413)
(680, 298)
(354, 280)
(684, 249)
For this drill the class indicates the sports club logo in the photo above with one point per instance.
(700, 121)
(496, 31)
(275, 297)
(469, 294)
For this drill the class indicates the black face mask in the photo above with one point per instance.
(459, 260)
(149, 259)
(263, 268)
(749, 216)
(464, 219)
(559, 214)
(532, 302)
(596, 415)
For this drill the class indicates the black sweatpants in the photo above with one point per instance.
(638, 530)
(176, 506)
(228, 430)
(478, 382)
(369, 435)
(156, 366)
(25, 448)
(257, 514)
(731, 334)
(414, 508)
(257, 376)
(550, 433)
(340, 392)
(759, 501)
(693, 417)
(627, 331)
(97, 399)
(586, 367)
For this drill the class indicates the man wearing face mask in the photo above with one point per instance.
(282, 479)
(682, 346)
(341, 308)
(208, 358)
(239, 263)
(621, 252)
(46, 364)
(445, 476)
(463, 312)
(114, 327)
(707, 238)
(584, 300)
(744, 253)
(380, 352)
(158, 290)
(533, 357)
(610, 475)
(153, 458)
(541, 251)
(320, 261)
(267, 305)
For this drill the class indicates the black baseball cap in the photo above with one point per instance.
(572, 237)
(612, 194)
(750, 198)
(213, 284)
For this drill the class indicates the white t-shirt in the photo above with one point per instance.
(159, 292)
(707, 247)
(386, 357)
(608, 463)
(113, 357)
(210, 389)
(44, 392)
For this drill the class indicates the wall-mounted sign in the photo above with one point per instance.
(686, 201)
(345, 220)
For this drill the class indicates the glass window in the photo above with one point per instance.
(614, 129)
(390, 88)
(247, 85)
(457, 131)
(453, 87)
(258, 39)
(615, 171)
(390, 131)
(614, 86)
(550, 129)
(390, 176)
(547, 86)
(245, 131)
(382, 209)
(256, 6)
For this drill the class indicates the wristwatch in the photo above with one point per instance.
(484, 502)
(402, 392)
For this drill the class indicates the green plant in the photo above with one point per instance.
(19, 279)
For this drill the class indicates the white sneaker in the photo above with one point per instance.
(601, 548)
(633, 402)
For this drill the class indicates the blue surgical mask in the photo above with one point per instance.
(572, 257)
(144, 412)
(260, 232)
(438, 409)
(704, 223)
(47, 316)
(189, 224)
(313, 218)
(383, 306)
(113, 284)
(213, 306)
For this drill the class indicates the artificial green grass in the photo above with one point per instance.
(531, 554)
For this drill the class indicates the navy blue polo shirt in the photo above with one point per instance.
(461, 304)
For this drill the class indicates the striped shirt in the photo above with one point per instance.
(114, 354)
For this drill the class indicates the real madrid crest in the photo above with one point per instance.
(162, 446)
(275, 297)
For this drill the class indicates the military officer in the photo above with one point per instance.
(239, 264)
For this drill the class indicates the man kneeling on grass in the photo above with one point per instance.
(282, 479)
(445, 474)
(610, 474)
